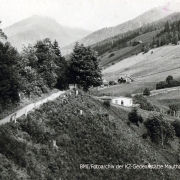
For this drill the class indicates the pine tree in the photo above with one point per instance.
(84, 68)
(56, 48)
(146, 92)
(2, 35)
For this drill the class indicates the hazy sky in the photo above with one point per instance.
(87, 14)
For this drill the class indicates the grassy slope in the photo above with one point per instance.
(119, 55)
(26, 149)
(147, 37)
(146, 69)
(128, 51)
(164, 100)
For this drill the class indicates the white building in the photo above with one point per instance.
(123, 101)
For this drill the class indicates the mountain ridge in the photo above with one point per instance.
(146, 18)
(36, 27)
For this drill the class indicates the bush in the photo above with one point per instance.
(128, 123)
(169, 82)
(141, 119)
(146, 92)
(176, 125)
(112, 83)
(144, 104)
(173, 108)
(128, 95)
(145, 135)
(134, 117)
(107, 103)
(111, 55)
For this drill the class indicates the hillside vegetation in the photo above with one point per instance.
(96, 137)
(156, 34)
(145, 69)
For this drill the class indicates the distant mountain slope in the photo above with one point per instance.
(30, 30)
(146, 18)
(145, 69)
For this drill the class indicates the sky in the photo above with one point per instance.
(87, 14)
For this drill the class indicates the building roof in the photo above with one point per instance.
(113, 97)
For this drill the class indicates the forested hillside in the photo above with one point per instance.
(158, 33)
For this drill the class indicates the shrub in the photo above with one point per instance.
(107, 103)
(134, 117)
(169, 82)
(112, 83)
(141, 119)
(145, 135)
(146, 92)
(128, 123)
(173, 108)
(128, 95)
(144, 104)
(111, 55)
(176, 125)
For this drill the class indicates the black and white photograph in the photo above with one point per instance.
(89, 89)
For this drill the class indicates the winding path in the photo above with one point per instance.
(30, 107)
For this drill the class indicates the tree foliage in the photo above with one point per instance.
(176, 125)
(2, 35)
(9, 74)
(161, 131)
(84, 68)
(144, 104)
(146, 92)
(169, 82)
(135, 117)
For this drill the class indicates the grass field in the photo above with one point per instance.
(147, 37)
(145, 69)
(164, 100)
(128, 51)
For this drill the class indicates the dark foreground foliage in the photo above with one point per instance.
(93, 137)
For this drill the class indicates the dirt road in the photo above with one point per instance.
(30, 107)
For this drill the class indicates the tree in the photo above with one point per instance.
(176, 125)
(134, 117)
(144, 104)
(169, 79)
(56, 48)
(84, 67)
(161, 131)
(46, 62)
(167, 29)
(2, 33)
(146, 92)
(174, 108)
(9, 74)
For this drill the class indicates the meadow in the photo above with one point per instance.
(145, 69)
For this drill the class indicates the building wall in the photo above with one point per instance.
(122, 101)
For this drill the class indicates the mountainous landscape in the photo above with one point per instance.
(109, 109)
(29, 30)
(140, 21)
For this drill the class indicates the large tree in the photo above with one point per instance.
(9, 73)
(84, 67)
(62, 70)
(2, 35)
(161, 131)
